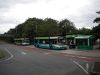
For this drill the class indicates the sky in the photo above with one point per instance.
(80, 12)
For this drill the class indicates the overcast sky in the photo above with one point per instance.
(80, 12)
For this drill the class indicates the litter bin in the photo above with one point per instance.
(73, 46)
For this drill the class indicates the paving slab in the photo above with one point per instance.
(92, 53)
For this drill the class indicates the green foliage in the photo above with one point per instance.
(19, 30)
(96, 31)
(46, 27)
(50, 27)
(84, 31)
(98, 48)
(38, 27)
(67, 27)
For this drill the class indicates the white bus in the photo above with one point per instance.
(21, 41)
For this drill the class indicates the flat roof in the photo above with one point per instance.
(21, 39)
(47, 37)
(84, 37)
(79, 36)
(70, 36)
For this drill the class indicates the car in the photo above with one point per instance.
(45, 46)
(59, 47)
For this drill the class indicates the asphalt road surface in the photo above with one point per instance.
(22, 61)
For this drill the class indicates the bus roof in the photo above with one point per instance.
(85, 37)
(44, 38)
(79, 36)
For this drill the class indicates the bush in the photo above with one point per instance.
(98, 48)
(1, 54)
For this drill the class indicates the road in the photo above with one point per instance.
(21, 61)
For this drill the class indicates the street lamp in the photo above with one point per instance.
(50, 43)
(35, 35)
(97, 20)
(98, 12)
(16, 32)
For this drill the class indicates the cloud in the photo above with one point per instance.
(86, 15)
(4, 3)
(81, 12)
(7, 22)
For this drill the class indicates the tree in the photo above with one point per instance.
(84, 31)
(50, 27)
(67, 27)
(33, 27)
(96, 29)
(19, 30)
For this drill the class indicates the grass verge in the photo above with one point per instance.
(2, 55)
(98, 48)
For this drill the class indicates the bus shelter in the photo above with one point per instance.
(84, 42)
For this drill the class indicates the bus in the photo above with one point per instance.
(53, 43)
(21, 41)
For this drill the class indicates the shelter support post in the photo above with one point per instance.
(88, 42)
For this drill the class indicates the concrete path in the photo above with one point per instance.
(88, 53)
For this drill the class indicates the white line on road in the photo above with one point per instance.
(87, 66)
(46, 53)
(71, 55)
(82, 57)
(23, 53)
(11, 55)
(81, 67)
(76, 56)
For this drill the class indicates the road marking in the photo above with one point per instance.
(23, 53)
(11, 56)
(87, 67)
(82, 57)
(47, 53)
(81, 67)
(70, 55)
(76, 56)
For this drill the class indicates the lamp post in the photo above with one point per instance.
(16, 32)
(98, 12)
(35, 42)
(50, 44)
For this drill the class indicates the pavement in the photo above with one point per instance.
(87, 53)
